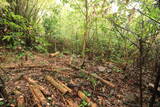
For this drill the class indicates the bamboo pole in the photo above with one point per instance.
(57, 84)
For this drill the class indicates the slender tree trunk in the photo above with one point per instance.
(86, 30)
(140, 74)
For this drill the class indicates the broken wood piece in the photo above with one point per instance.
(54, 54)
(33, 82)
(39, 96)
(94, 75)
(57, 84)
(36, 101)
(71, 103)
(20, 101)
(84, 97)
(103, 80)
(69, 90)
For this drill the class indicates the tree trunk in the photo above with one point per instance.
(86, 30)
(157, 69)
(140, 70)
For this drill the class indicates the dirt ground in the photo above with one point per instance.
(125, 92)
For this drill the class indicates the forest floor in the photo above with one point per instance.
(21, 75)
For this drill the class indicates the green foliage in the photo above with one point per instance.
(2, 103)
(19, 32)
(84, 104)
(93, 81)
(21, 54)
(113, 26)
(87, 93)
(83, 75)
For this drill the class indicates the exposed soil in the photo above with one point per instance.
(124, 94)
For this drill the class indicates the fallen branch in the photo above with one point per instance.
(84, 97)
(58, 85)
(33, 82)
(94, 75)
(59, 71)
(27, 67)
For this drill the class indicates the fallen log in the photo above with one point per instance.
(58, 85)
(39, 96)
(84, 97)
(94, 75)
(33, 82)
(20, 101)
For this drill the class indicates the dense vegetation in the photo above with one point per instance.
(123, 31)
(97, 28)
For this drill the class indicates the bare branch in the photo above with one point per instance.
(148, 16)
(126, 29)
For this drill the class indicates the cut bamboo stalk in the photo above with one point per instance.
(37, 102)
(57, 84)
(33, 82)
(94, 75)
(103, 80)
(84, 97)
(69, 90)
(39, 95)
(71, 103)
(21, 101)
(54, 54)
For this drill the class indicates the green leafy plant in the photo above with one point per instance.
(87, 93)
(93, 81)
(2, 103)
(84, 104)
